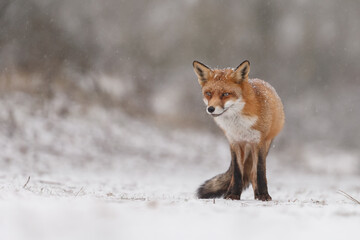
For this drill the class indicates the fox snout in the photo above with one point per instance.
(215, 111)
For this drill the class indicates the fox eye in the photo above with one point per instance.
(226, 94)
(208, 93)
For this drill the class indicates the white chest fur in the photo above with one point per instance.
(238, 127)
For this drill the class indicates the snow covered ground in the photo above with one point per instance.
(99, 174)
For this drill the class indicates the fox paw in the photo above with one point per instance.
(263, 197)
(232, 197)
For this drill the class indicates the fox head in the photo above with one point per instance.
(221, 88)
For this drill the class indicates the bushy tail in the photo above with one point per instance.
(216, 186)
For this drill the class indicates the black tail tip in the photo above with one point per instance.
(204, 193)
(200, 193)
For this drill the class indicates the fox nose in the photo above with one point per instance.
(211, 109)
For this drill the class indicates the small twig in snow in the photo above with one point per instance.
(78, 192)
(348, 196)
(28, 180)
(49, 182)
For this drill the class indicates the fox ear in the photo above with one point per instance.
(242, 71)
(202, 71)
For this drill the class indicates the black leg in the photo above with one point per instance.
(235, 187)
(261, 192)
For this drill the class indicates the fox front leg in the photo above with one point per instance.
(235, 186)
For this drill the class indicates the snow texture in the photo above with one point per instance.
(99, 174)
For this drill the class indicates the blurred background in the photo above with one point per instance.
(134, 58)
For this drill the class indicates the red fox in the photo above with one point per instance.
(251, 114)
